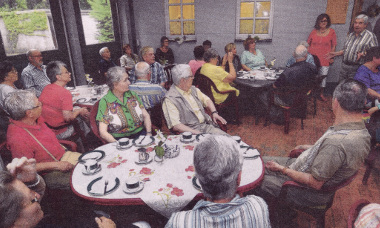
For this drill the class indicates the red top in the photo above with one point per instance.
(22, 144)
(54, 100)
(321, 45)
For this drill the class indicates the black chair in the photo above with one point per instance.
(168, 73)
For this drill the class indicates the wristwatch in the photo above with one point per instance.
(214, 112)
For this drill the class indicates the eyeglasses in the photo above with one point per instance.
(324, 20)
(35, 199)
(13, 71)
(39, 105)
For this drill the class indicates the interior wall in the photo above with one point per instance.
(215, 21)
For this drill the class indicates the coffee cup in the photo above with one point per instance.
(132, 182)
(236, 138)
(123, 142)
(186, 135)
(91, 165)
(262, 67)
(143, 156)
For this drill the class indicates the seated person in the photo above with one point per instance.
(104, 64)
(164, 55)
(158, 75)
(231, 47)
(369, 216)
(184, 104)
(336, 156)
(196, 63)
(220, 179)
(34, 75)
(8, 76)
(150, 94)
(29, 136)
(121, 113)
(218, 75)
(369, 73)
(57, 104)
(252, 58)
(309, 58)
(129, 59)
(207, 45)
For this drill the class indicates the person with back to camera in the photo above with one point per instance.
(196, 63)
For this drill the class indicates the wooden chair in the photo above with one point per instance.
(354, 211)
(94, 124)
(205, 84)
(168, 72)
(300, 96)
(374, 154)
(370, 161)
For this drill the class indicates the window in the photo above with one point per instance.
(255, 18)
(26, 25)
(97, 21)
(180, 19)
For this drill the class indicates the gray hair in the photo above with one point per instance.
(351, 95)
(29, 52)
(142, 69)
(217, 163)
(11, 200)
(300, 52)
(145, 50)
(18, 102)
(53, 69)
(180, 71)
(304, 43)
(102, 50)
(114, 75)
(362, 16)
(210, 54)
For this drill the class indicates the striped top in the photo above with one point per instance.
(250, 211)
(32, 77)
(150, 94)
(369, 216)
(158, 75)
(361, 43)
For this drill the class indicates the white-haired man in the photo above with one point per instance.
(34, 75)
(104, 64)
(219, 179)
(309, 58)
(184, 104)
(355, 47)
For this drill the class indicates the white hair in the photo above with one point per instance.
(142, 69)
(180, 71)
(300, 52)
(102, 50)
(362, 16)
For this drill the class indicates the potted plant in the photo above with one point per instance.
(160, 152)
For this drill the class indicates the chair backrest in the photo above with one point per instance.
(94, 124)
(168, 72)
(354, 211)
(205, 84)
(340, 185)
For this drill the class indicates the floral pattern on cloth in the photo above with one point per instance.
(168, 192)
(142, 174)
(116, 161)
(190, 169)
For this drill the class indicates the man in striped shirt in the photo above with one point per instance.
(355, 47)
(34, 75)
(218, 165)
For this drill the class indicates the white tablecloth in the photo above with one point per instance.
(84, 93)
(169, 188)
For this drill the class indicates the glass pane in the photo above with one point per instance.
(175, 28)
(263, 9)
(246, 9)
(187, 1)
(262, 26)
(174, 12)
(97, 21)
(188, 28)
(188, 12)
(25, 26)
(246, 27)
(174, 1)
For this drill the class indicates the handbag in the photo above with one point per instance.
(69, 156)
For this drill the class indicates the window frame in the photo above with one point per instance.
(167, 21)
(238, 18)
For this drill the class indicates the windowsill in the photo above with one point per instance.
(259, 41)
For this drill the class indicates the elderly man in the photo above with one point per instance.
(157, 71)
(355, 47)
(184, 104)
(336, 156)
(309, 58)
(150, 94)
(34, 75)
(104, 64)
(218, 166)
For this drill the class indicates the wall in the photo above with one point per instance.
(215, 20)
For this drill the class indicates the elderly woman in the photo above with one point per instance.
(8, 76)
(218, 75)
(196, 63)
(164, 54)
(252, 58)
(129, 59)
(231, 47)
(29, 136)
(218, 166)
(121, 112)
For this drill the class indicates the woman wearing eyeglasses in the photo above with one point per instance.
(8, 76)
(322, 40)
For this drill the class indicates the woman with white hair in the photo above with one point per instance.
(121, 113)
(218, 164)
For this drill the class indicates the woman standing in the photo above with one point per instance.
(164, 54)
(322, 40)
(252, 58)
(128, 60)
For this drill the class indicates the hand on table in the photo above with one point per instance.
(274, 166)
(64, 166)
(24, 169)
(104, 222)
(216, 117)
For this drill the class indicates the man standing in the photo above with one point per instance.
(355, 47)
(157, 71)
(34, 75)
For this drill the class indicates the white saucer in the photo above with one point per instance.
(134, 190)
(97, 170)
(150, 159)
(130, 144)
(187, 140)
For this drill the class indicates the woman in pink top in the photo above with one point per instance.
(322, 40)
(196, 63)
